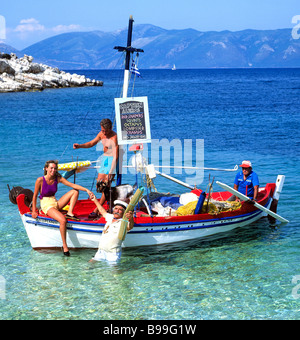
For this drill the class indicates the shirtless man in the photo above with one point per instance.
(108, 161)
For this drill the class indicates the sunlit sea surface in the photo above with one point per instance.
(245, 274)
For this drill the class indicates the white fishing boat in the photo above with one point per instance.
(204, 219)
(174, 67)
(43, 232)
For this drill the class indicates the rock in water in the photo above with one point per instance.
(22, 74)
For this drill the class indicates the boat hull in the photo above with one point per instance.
(43, 232)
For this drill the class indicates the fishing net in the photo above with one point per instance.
(214, 207)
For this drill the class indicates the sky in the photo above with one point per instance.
(23, 23)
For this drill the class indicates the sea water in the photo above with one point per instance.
(249, 273)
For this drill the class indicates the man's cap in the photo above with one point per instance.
(121, 203)
(246, 164)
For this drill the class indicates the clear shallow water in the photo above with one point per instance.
(240, 114)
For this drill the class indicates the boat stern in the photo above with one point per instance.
(276, 195)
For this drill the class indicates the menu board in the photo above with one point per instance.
(132, 118)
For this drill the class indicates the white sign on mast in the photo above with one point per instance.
(132, 120)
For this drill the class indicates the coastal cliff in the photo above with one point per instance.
(22, 74)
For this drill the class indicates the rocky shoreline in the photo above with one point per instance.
(22, 74)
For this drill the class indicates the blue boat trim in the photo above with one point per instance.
(73, 222)
(57, 226)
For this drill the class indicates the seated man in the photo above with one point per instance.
(246, 181)
(110, 244)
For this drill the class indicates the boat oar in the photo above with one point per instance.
(174, 180)
(257, 205)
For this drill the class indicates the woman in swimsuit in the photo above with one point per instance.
(47, 187)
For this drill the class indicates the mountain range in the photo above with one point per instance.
(186, 48)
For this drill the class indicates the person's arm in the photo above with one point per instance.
(233, 197)
(35, 194)
(74, 186)
(130, 224)
(102, 211)
(255, 192)
(89, 144)
(255, 185)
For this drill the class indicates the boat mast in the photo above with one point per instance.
(127, 60)
(129, 50)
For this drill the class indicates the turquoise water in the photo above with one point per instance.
(240, 114)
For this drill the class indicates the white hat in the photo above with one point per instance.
(121, 203)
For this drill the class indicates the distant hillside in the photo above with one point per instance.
(9, 49)
(163, 48)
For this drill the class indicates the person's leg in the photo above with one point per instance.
(102, 178)
(113, 258)
(99, 256)
(103, 199)
(58, 216)
(72, 197)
